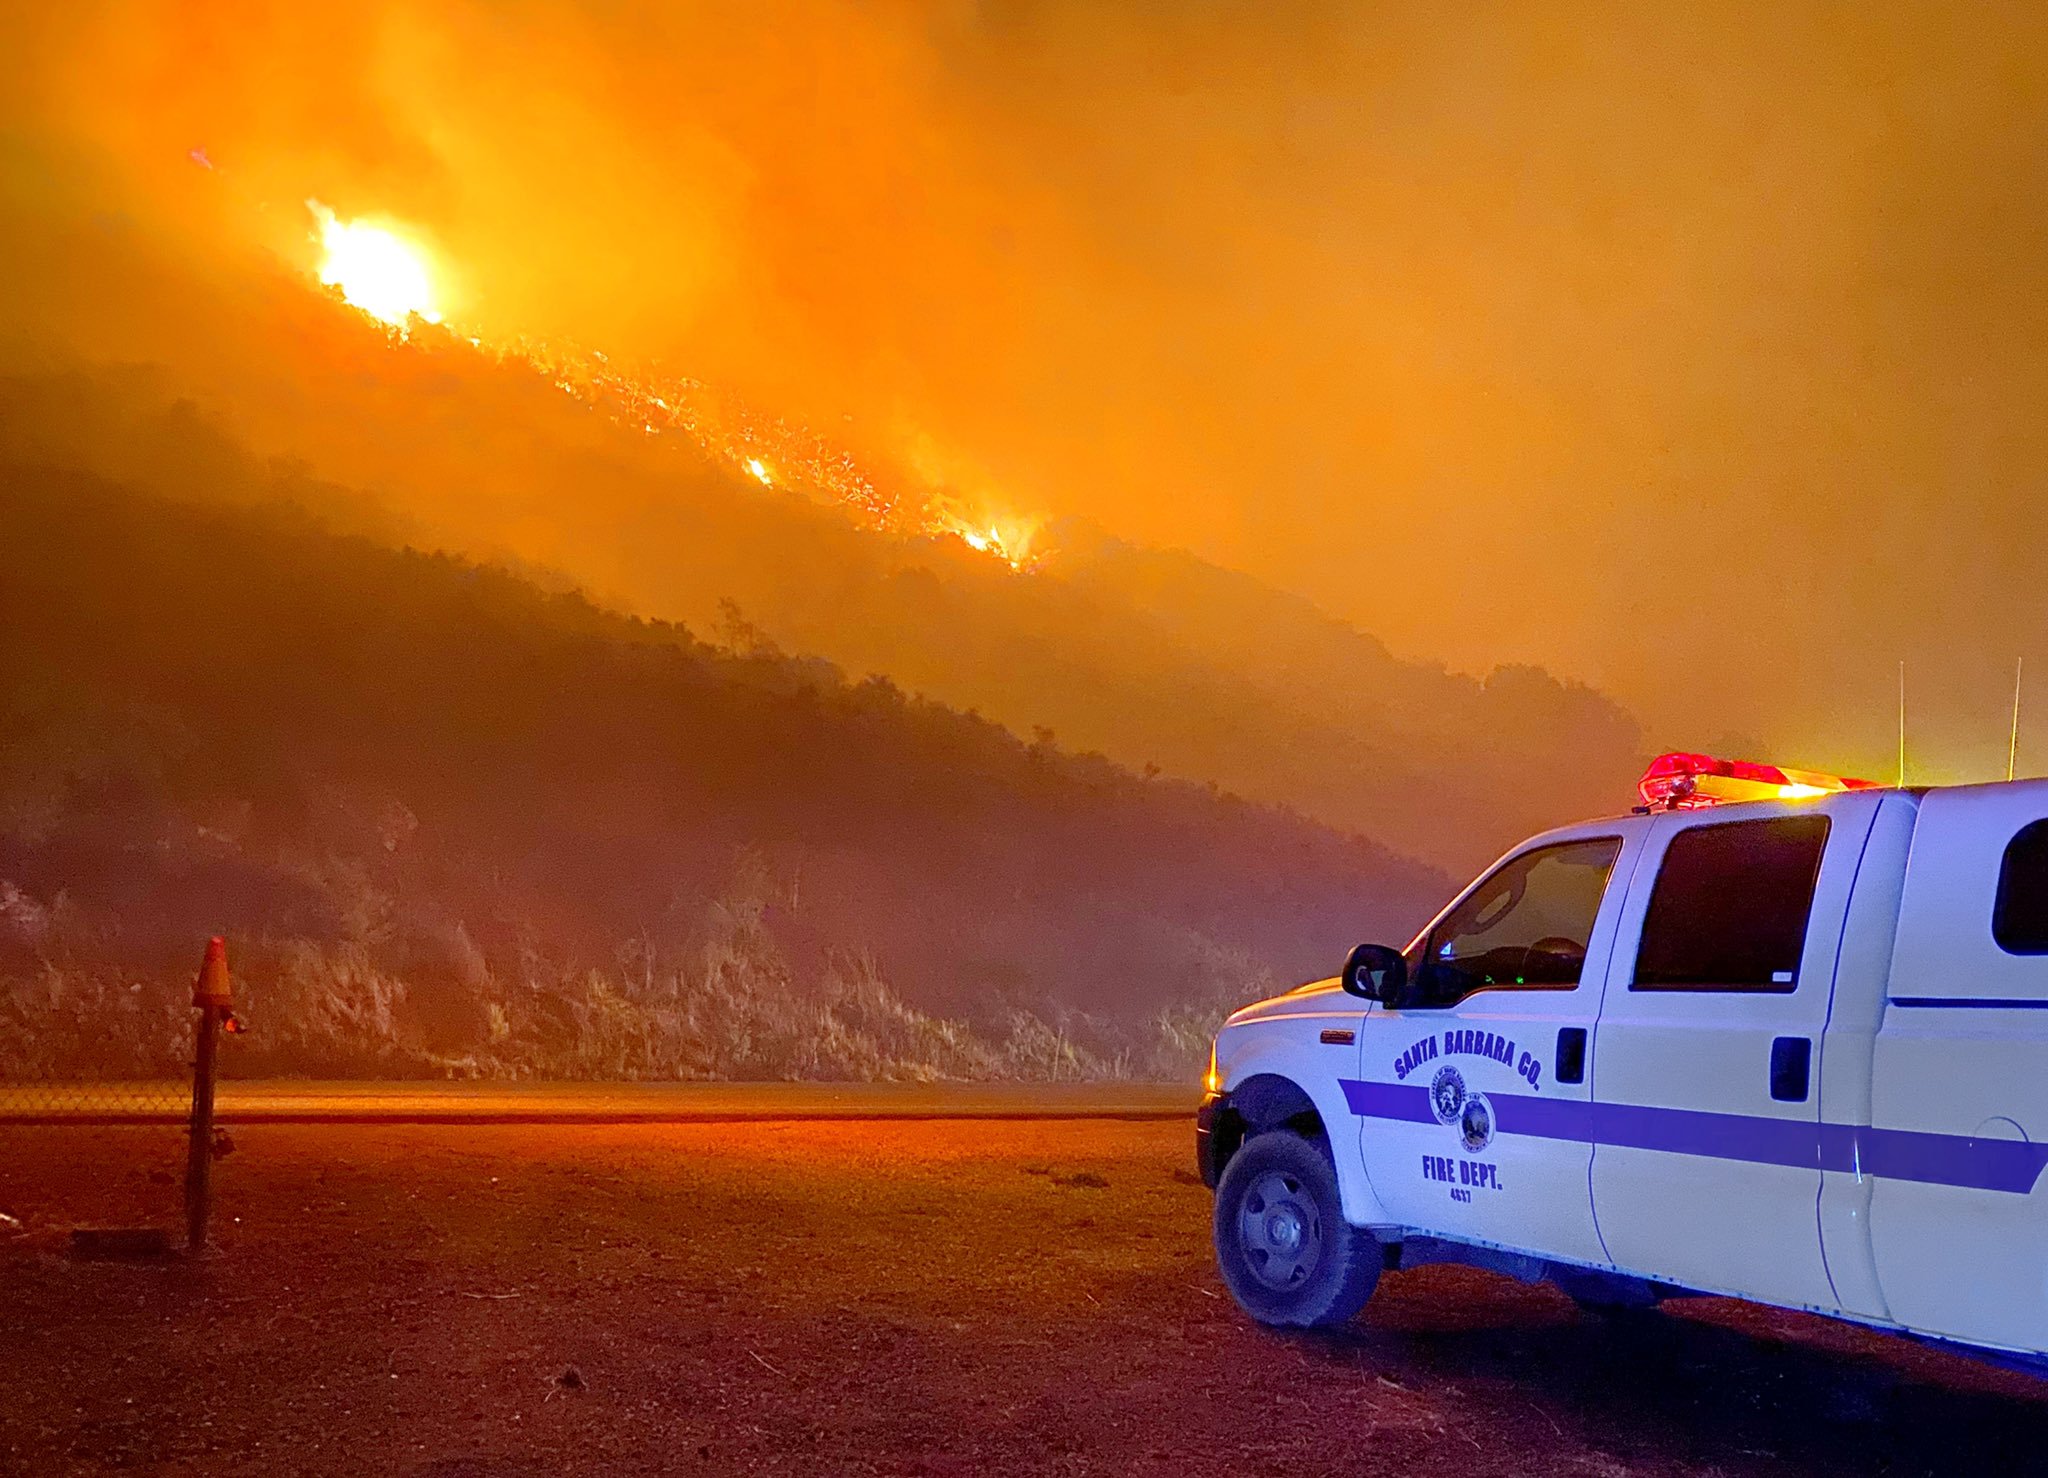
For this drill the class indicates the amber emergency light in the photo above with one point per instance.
(1689, 782)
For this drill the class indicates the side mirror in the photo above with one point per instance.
(1376, 973)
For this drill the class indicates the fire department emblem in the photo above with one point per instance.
(1447, 1095)
(1475, 1123)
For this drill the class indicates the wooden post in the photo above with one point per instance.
(199, 1156)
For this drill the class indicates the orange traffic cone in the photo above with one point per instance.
(213, 988)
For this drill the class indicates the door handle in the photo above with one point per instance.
(1791, 1068)
(1569, 1066)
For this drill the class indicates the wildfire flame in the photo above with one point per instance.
(1011, 545)
(773, 452)
(375, 269)
(380, 273)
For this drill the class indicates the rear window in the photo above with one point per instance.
(1730, 906)
(2019, 917)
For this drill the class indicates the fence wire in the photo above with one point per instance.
(94, 1047)
(95, 1095)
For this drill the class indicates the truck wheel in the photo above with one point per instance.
(1282, 1244)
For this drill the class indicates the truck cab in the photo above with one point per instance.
(1772, 1034)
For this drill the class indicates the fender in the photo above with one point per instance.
(1274, 1094)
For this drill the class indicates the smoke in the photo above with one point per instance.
(1695, 354)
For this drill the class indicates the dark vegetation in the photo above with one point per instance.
(457, 823)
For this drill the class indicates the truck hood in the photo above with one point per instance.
(1317, 998)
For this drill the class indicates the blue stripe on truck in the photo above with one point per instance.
(1894, 1154)
(1972, 1003)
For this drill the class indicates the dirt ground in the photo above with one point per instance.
(821, 1298)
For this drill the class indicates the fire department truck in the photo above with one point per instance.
(1774, 1034)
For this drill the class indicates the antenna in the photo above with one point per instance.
(2012, 748)
(1902, 724)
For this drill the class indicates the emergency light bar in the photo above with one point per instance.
(1689, 782)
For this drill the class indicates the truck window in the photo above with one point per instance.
(2019, 917)
(1525, 927)
(1730, 906)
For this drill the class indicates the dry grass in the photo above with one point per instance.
(730, 1006)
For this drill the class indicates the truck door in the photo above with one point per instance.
(1706, 1120)
(1495, 1032)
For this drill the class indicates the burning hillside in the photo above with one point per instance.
(378, 269)
(243, 380)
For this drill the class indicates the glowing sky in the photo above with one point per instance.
(1696, 352)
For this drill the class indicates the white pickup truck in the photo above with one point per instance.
(1793, 1049)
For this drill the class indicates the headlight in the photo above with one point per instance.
(1212, 1081)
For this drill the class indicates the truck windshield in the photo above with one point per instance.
(1525, 927)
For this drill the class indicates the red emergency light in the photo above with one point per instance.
(1688, 782)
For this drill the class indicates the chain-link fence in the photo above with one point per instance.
(96, 1099)
(41, 1102)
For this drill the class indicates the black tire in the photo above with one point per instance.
(1285, 1251)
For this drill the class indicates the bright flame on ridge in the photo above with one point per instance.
(381, 274)
(375, 270)
(1011, 545)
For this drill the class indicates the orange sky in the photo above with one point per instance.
(1698, 355)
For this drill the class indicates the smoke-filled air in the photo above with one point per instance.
(955, 540)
